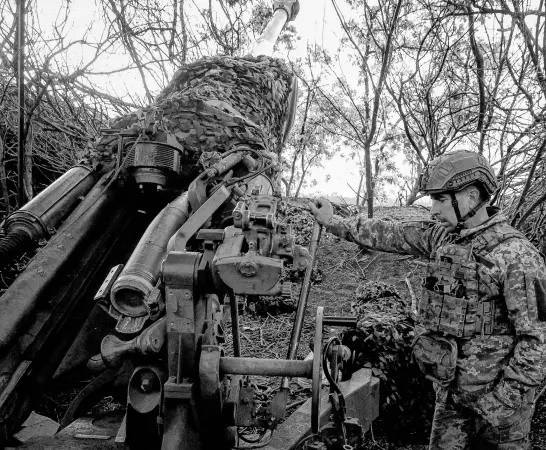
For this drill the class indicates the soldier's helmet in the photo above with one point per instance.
(456, 170)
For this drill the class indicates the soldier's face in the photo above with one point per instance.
(442, 209)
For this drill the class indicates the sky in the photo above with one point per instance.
(316, 23)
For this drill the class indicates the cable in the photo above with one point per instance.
(332, 382)
(256, 442)
(252, 441)
(251, 175)
(305, 439)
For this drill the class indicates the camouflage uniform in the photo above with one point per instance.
(499, 363)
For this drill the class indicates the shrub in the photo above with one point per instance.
(383, 341)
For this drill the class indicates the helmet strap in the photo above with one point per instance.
(468, 215)
(460, 220)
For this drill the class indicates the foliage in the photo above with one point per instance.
(296, 213)
(457, 75)
(309, 143)
(300, 218)
(56, 132)
(470, 75)
(353, 98)
(383, 341)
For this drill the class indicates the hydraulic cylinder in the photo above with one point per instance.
(40, 217)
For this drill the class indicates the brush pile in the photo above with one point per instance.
(383, 341)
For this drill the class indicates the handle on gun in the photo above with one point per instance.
(304, 295)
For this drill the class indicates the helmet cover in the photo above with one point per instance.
(456, 170)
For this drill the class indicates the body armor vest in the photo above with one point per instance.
(460, 298)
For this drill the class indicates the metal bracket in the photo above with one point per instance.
(179, 275)
(197, 220)
(104, 291)
(209, 382)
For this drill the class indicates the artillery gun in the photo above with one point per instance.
(154, 242)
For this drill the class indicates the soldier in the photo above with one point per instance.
(483, 304)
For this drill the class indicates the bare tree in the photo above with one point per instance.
(309, 143)
(356, 112)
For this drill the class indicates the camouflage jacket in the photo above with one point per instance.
(512, 363)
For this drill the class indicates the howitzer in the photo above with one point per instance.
(167, 304)
(146, 251)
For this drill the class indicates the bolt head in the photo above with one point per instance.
(248, 269)
(147, 382)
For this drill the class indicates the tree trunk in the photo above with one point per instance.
(303, 173)
(286, 187)
(4, 178)
(29, 188)
(415, 187)
(359, 190)
(302, 146)
(297, 194)
(413, 194)
(292, 174)
(369, 184)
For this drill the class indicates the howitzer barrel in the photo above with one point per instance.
(39, 217)
(284, 11)
(141, 272)
(266, 42)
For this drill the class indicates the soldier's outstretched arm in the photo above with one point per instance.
(405, 237)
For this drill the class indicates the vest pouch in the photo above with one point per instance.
(429, 309)
(436, 357)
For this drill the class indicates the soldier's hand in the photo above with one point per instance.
(322, 210)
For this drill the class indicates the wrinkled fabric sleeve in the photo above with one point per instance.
(524, 291)
(408, 237)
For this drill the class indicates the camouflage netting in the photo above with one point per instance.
(210, 105)
(215, 103)
(383, 341)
